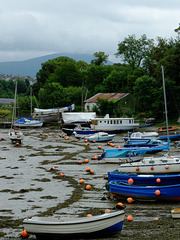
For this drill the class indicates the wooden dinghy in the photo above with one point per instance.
(175, 213)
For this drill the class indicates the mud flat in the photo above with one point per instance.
(31, 184)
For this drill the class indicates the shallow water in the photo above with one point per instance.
(29, 187)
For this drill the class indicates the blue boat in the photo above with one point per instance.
(144, 179)
(152, 146)
(171, 137)
(148, 192)
(122, 153)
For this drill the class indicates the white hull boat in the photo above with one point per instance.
(100, 137)
(50, 227)
(153, 165)
(113, 125)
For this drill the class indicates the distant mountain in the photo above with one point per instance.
(31, 66)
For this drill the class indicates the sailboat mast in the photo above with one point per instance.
(165, 103)
(31, 99)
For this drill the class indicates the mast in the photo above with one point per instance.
(14, 107)
(31, 99)
(165, 103)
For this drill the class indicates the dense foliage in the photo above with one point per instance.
(63, 81)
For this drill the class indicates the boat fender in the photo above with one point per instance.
(137, 169)
(167, 167)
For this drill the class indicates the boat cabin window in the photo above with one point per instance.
(177, 160)
(164, 161)
(151, 161)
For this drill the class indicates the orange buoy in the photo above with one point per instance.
(108, 143)
(130, 181)
(52, 168)
(86, 160)
(119, 146)
(88, 169)
(46, 135)
(111, 144)
(24, 234)
(56, 139)
(129, 218)
(137, 169)
(156, 219)
(17, 144)
(80, 162)
(81, 180)
(50, 134)
(85, 140)
(99, 147)
(87, 143)
(94, 141)
(158, 180)
(29, 132)
(95, 157)
(91, 171)
(66, 138)
(157, 192)
(129, 200)
(40, 133)
(88, 187)
(60, 135)
(107, 211)
(152, 168)
(76, 140)
(167, 166)
(89, 215)
(61, 175)
(120, 204)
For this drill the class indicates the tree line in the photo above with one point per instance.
(63, 81)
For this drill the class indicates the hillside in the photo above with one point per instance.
(31, 66)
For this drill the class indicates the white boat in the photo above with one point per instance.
(28, 122)
(141, 135)
(50, 227)
(51, 114)
(15, 135)
(100, 137)
(77, 117)
(113, 125)
(175, 213)
(153, 165)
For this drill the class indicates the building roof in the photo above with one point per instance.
(109, 96)
(6, 101)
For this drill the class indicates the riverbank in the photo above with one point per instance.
(31, 185)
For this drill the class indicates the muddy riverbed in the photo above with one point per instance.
(31, 184)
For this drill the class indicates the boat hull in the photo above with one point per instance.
(175, 213)
(145, 179)
(156, 193)
(53, 227)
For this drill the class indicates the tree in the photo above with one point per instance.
(101, 59)
(134, 51)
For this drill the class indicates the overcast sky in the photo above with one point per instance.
(33, 28)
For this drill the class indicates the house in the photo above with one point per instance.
(6, 101)
(91, 102)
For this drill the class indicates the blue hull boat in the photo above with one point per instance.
(122, 153)
(151, 146)
(171, 137)
(139, 192)
(144, 179)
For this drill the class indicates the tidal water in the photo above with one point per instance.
(30, 185)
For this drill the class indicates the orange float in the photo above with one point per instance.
(24, 234)
(129, 218)
(130, 181)
(88, 187)
(129, 200)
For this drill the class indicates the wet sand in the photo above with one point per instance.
(29, 186)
